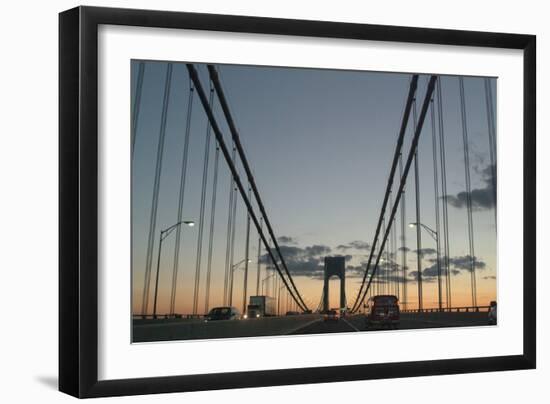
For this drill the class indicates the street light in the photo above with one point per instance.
(265, 279)
(430, 231)
(163, 234)
(233, 268)
(435, 236)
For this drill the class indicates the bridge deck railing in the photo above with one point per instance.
(464, 309)
(165, 316)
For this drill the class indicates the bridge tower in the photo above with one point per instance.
(335, 266)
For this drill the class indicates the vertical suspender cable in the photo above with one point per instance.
(137, 103)
(212, 227)
(382, 252)
(246, 256)
(156, 185)
(259, 265)
(202, 209)
(491, 129)
(418, 229)
(388, 253)
(444, 202)
(395, 265)
(183, 177)
(232, 251)
(468, 191)
(403, 238)
(229, 227)
(436, 205)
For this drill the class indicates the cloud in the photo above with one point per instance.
(317, 249)
(354, 245)
(406, 249)
(286, 240)
(306, 261)
(482, 198)
(489, 277)
(456, 265)
(347, 257)
(464, 262)
(425, 251)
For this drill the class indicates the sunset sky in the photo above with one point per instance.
(320, 144)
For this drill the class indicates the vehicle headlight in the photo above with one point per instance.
(257, 316)
(245, 316)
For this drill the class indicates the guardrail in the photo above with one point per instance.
(465, 309)
(165, 316)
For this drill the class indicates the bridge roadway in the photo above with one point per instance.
(186, 329)
(408, 321)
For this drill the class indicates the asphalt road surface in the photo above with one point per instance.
(183, 329)
(408, 321)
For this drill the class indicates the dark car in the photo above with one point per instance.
(223, 313)
(382, 310)
(330, 315)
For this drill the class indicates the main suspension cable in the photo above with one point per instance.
(413, 148)
(412, 90)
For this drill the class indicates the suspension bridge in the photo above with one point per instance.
(157, 303)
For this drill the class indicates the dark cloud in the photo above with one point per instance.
(489, 277)
(425, 251)
(464, 262)
(306, 261)
(355, 271)
(414, 276)
(286, 240)
(354, 245)
(482, 198)
(317, 249)
(456, 265)
(406, 249)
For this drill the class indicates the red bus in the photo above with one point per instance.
(382, 310)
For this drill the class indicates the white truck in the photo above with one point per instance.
(261, 306)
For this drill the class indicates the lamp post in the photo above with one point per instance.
(435, 236)
(233, 268)
(163, 234)
(265, 279)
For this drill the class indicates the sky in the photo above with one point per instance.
(320, 144)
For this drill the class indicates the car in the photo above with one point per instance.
(492, 314)
(223, 313)
(330, 315)
(382, 310)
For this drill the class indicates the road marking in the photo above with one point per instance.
(302, 326)
(351, 325)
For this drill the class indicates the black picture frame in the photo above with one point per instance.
(78, 203)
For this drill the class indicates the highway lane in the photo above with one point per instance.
(349, 324)
(408, 321)
(183, 329)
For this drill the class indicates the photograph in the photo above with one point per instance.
(273, 201)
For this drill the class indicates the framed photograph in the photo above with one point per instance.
(251, 201)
